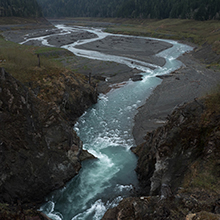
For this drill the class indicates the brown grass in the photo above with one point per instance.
(22, 62)
(49, 79)
(198, 32)
(213, 100)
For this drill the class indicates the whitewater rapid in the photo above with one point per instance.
(106, 131)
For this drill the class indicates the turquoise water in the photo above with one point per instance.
(106, 131)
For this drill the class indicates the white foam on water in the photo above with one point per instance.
(54, 216)
(121, 188)
(48, 209)
(98, 209)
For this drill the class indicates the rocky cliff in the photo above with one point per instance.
(39, 150)
(178, 167)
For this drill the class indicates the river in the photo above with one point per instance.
(106, 131)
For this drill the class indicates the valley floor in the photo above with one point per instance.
(193, 80)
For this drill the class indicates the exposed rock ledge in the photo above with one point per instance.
(178, 168)
(39, 150)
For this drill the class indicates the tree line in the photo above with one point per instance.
(80, 8)
(20, 8)
(161, 9)
(156, 9)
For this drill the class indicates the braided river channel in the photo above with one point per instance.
(106, 132)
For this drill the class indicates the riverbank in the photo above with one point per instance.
(191, 81)
(105, 74)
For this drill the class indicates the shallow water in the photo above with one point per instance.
(106, 131)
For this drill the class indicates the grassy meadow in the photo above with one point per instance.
(22, 62)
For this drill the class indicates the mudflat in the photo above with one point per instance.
(135, 48)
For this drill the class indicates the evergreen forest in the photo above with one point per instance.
(20, 8)
(155, 9)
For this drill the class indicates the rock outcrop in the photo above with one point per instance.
(39, 150)
(178, 168)
(69, 92)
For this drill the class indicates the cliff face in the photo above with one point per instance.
(168, 151)
(70, 94)
(178, 168)
(39, 150)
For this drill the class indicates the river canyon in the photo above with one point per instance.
(106, 128)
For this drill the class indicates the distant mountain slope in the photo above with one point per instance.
(80, 8)
(160, 9)
(196, 9)
(20, 8)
